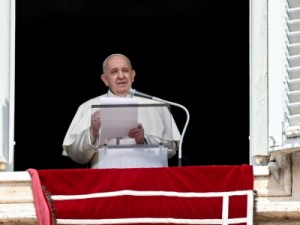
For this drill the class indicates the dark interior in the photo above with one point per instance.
(192, 52)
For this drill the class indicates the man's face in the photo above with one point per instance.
(118, 75)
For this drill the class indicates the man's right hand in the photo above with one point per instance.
(95, 124)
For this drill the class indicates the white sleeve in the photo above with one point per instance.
(81, 150)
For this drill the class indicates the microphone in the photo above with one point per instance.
(133, 92)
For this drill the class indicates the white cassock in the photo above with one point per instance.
(159, 127)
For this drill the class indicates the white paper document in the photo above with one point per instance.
(118, 117)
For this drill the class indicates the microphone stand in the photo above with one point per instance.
(143, 95)
(184, 128)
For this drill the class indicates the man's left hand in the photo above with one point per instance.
(137, 134)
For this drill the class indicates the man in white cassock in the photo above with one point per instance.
(155, 127)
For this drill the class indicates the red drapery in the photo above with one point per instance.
(169, 195)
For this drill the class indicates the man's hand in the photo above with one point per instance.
(137, 134)
(95, 124)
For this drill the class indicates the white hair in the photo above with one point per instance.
(112, 55)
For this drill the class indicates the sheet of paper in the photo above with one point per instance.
(118, 116)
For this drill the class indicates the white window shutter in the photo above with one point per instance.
(293, 67)
(284, 64)
(7, 84)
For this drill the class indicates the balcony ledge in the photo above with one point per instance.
(17, 206)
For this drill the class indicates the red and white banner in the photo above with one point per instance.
(168, 195)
